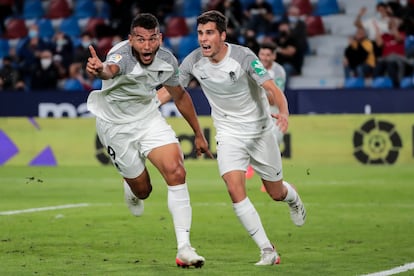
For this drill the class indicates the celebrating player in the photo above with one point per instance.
(132, 129)
(232, 78)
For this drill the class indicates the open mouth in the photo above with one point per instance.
(146, 57)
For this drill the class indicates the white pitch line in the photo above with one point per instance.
(16, 212)
(395, 270)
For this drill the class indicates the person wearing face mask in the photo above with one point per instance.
(10, 76)
(289, 54)
(29, 49)
(44, 73)
(297, 27)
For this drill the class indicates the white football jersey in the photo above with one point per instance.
(129, 96)
(239, 105)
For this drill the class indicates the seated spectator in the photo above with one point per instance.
(76, 75)
(359, 56)
(393, 61)
(288, 52)
(63, 47)
(10, 76)
(297, 26)
(259, 17)
(233, 10)
(28, 49)
(81, 52)
(44, 75)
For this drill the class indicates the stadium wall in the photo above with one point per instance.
(73, 104)
(382, 139)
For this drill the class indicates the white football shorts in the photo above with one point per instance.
(262, 153)
(129, 144)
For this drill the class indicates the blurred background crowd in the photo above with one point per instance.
(320, 43)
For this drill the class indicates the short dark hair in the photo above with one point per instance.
(213, 16)
(268, 45)
(146, 21)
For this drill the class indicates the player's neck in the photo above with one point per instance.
(220, 55)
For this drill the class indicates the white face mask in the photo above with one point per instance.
(45, 62)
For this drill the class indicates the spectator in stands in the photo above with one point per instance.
(251, 42)
(44, 75)
(10, 76)
(81, 52)
(393, 61)
(29, 48)
(63, 47)
(288, 51)
(6, 9)
(259, 17)
(380, 20)
(359, 56)
(233, 10)
(297, 26)
(76, 72)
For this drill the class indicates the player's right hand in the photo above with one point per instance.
(94, 65)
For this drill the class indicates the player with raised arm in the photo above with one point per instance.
(132, 129)
(237, 87)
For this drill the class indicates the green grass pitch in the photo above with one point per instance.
(360, 220)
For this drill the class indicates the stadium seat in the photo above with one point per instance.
(314, 25)
(58, 9)
(326, 7)
(407, 82)
(278, 7)
(15, 28)
(305, 6)
(354, 82)
(191, 8)
(104, 45)
(97, 84)
(4, 48)
(70, 26)
(72, 85)
(33, 9)
(84, 9)
(92, 24)
(46, 30)
(186, 45)
(176, 26)
(381, 82)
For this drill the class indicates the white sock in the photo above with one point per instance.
(180, 209)
(291, 195)
(250, 219)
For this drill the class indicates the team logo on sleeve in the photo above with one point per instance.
(258, 67)
(115, 58)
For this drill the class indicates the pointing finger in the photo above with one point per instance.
(93, 52)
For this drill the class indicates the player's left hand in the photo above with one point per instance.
(281, 121)
(201, 146)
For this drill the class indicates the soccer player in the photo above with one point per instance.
(267, 55)
(232, 78)
(132, 129)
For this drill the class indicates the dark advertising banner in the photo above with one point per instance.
(57, 104)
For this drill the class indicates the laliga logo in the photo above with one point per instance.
(377, 142)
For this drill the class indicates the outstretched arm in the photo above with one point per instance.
(185, 105)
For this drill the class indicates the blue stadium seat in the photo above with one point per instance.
(191, 8)
(46, 30)
(70, 26)
(84, 9)
(381, 82)
(33, 9)
(97, 84)
(407, 82)
(4, 47)
(278, 7)
(354, 82)
(72, 85)
(326, 7)
(187, 44)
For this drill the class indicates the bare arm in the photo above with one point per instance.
(185, 105)
(163, 96)
(358, 19)
(277, 98)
